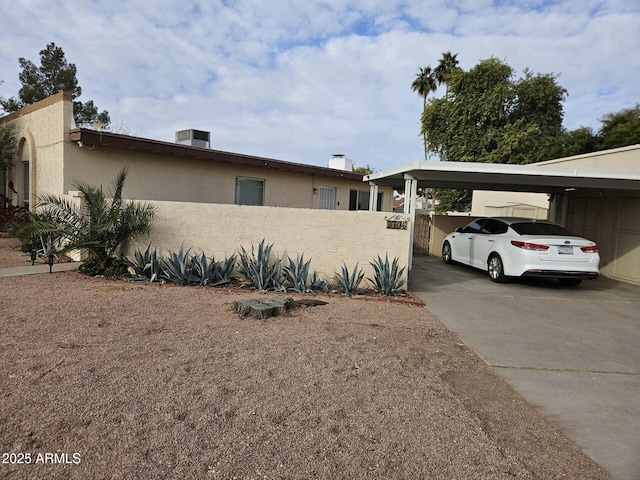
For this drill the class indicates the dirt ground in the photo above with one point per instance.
(113, 379)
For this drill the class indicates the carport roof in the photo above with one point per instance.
(491, 176)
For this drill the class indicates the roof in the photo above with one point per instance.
(506, 177)
(107, 139)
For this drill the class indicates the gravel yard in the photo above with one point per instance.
(118, 379)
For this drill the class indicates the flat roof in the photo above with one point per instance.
(506, 177)
(108, 139)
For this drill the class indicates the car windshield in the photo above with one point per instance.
(538, 228)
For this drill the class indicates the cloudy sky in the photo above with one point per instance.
(300, 80)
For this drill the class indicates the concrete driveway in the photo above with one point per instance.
(574, 353)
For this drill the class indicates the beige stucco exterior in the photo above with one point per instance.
(509, 204)
(328, 238)
(623, 158)
(57, 163)
(195, 196)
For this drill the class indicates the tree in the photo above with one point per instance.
(366, 170)
(490, 117)
(576, 142)
(424, 83)
(620, 129)
(445, 69)
(52, 76)
(100, 227)
(8, 146)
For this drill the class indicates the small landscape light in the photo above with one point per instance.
(33, 256)
(50, 261)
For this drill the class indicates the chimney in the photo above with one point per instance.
(194, 138)
(340, 162)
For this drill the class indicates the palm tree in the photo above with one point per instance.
(424, 83)
(100, 226)
(448, 64)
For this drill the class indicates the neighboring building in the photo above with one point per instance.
(53, 155)
(509, 204)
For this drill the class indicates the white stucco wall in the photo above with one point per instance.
(328, 238)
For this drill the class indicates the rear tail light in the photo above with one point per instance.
(590, 249)
(530, 246)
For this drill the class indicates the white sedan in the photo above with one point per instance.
(521, 247)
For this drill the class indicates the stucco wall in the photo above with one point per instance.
(441, 226)
(169, 178)
(509, 204)
(326, 237)
(57, 164)
(624, 158)
(43, 136)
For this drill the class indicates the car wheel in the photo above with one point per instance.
(446, 253)
(570, 282)
(496, 269)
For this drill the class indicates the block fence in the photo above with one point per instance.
(327, 237)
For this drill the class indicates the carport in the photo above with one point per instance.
(593, 201)
(573, 353)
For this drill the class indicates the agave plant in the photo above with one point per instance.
(178, 268)
(210, 272)
(349, 282)
(388, 277)
(145, 264)
(259, 270)
(296, 273)
(318, 283)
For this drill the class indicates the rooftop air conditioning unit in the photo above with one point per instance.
(194, 138)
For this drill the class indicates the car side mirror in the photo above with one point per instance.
(458, 230)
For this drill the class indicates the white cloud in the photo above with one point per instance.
(300, 81)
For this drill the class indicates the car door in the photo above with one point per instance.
(484, 241)
(466, 242)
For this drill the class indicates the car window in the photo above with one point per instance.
(541, 228)
(474, 227)
(495, 227)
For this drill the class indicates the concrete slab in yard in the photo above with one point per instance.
(572, 352)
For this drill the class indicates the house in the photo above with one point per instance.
(211, 200)
(52, 156)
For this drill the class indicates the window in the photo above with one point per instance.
(25, 174)
(495, 227)
(249, 191)
(359, 200)
(474, 227)
(327, 199)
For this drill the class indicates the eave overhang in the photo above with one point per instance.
(97, 138)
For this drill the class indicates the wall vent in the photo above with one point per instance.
(194, 138)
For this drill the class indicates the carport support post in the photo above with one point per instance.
(373, 197)
(410, 192)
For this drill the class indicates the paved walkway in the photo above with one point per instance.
(38, 268)
(574, 353)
